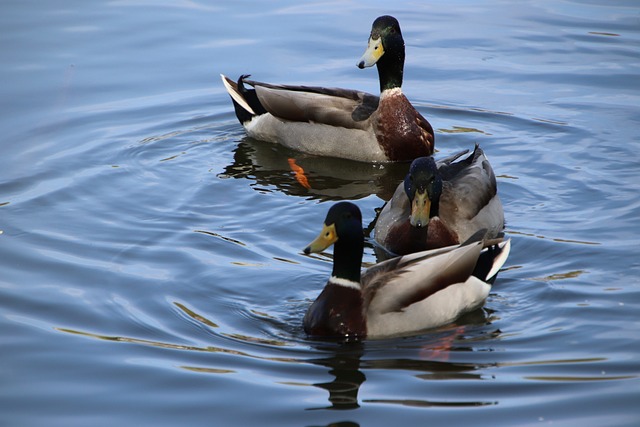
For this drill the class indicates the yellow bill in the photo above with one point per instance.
(327, 237)
(373, 53)
(420, 209)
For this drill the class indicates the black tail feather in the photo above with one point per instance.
(485, 263)
(251, 97)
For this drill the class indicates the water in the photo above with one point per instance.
(151, 254)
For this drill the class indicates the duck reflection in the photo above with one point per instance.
(305, 175)
(428, 361)
(343, 363)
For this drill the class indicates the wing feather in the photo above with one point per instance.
(467, 190)
(336, 107)
(409, 279)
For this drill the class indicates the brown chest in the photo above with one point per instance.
(402, 131)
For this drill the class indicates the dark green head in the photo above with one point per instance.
(343, 229)
(423, 185)
(386, 50)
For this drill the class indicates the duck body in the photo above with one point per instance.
(337, 122)
(400, 296)
(440, 204)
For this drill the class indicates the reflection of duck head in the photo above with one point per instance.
(343, 362)
(327, 178)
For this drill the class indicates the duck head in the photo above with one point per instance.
(423, 186)
(386, 50)
(342, 228)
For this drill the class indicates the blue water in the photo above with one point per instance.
(151, 264)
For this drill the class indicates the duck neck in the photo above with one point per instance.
(347, 260)
(390, 69)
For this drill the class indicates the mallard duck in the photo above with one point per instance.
(399, 296)
(441, 204)
(341, 122)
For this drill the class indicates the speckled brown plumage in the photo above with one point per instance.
(402, 131)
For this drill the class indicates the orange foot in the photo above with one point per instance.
(299, 172)
(440, 350)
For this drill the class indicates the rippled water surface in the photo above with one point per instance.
(152, 271)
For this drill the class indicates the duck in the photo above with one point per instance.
(337, 122)
(401, 296)
(441, 204)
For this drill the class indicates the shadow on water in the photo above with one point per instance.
(299, 174)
